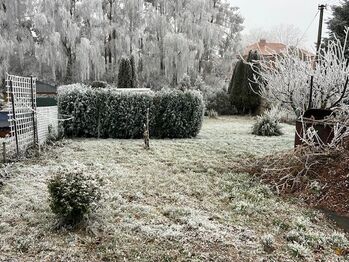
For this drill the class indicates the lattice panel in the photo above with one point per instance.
(23, 113)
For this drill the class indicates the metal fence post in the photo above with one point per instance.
(4, 151)
(33, 111)
(14, 117)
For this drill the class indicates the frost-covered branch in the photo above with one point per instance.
(286, 78)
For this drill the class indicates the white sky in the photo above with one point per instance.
(269, 13)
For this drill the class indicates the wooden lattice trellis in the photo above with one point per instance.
(21, 94)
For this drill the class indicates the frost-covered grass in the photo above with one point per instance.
(183, 200)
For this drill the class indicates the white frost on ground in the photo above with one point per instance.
(181, 200)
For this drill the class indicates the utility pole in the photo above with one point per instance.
(318, 46)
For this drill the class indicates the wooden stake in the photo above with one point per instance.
(4, 151)
(146, 133)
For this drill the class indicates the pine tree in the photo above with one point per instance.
(338, 23)
(134, 72)
(242, 88)
(185, 83)
(125, 74)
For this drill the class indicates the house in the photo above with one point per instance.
(269, 50)
(46, 94)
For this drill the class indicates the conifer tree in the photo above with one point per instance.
(338, 23)
(242, 89)
(125, 74)
(134, 72)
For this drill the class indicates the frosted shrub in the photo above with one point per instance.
(294, 236)
(268, 243)
(298, 250)
(212, 113)
(99, 84)
(218, 100)
(288, 80)
(73, 195)
(109, 114)
(267, 125)
(178, 114)
(338, 240)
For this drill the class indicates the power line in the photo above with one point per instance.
(318, 45)
(306, 31)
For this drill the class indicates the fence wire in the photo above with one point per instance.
(21, 95)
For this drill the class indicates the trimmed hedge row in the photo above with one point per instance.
(108, 113)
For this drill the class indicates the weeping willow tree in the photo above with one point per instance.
(16, 41)
(71, 49)
(83, 40)
(177, 55)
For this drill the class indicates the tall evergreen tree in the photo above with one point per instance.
(339, 22)
(242, 89)
(125, 74)
(134, 72)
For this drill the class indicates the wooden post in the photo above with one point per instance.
(35, 137)
(146, 133)
(4, 151)
(14, 117)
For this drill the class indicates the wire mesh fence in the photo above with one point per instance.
(47, 123)
(28, 124)
(21, 95)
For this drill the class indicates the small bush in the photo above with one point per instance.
(268, 243)
(99, 84)
(298, 250)
(212, 113)
(338, 241)
(294, 236)
(73, 195)
(267, 125)
(219, 101)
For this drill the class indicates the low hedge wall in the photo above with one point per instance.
(107, 113)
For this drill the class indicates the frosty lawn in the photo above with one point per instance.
(181, 200)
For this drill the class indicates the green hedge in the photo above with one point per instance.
(110, 114)
(177, 114)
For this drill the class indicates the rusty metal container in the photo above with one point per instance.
(325, 131)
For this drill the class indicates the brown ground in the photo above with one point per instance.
(322, 180)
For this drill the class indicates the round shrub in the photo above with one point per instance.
(99, 84)
(73, 195)
(219, 101)
(266, 126)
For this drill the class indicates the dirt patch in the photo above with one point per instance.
(320, 179)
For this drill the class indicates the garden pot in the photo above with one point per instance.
(325, 131)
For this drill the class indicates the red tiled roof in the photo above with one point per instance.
(267, 49)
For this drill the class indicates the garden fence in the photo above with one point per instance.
(28, 124)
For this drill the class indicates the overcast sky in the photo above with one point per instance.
(269, 13)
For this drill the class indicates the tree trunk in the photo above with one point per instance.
(69, 74)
